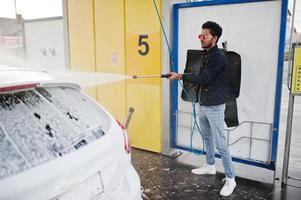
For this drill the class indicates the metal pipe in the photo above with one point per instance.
(128, 119)
(288, 137)
(290, 113)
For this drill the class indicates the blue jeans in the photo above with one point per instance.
(213, 134)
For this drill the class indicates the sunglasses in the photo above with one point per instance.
(202, 36)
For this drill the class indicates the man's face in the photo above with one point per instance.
(207, 40)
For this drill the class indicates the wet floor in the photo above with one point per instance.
(165, 178)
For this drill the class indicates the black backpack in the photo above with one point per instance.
(194, 64)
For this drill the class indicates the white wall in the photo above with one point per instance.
(45, 43)
(167, 24)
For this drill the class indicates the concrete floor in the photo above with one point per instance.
(165, 178)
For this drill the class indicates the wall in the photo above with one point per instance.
(107, 36)
(44, 43)
(81, 38)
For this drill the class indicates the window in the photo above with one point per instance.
(38, 125)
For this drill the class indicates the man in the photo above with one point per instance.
(212, 99)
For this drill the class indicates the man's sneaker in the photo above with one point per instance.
(229, 187)
(206, 169)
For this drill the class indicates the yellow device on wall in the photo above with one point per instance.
(296, 75)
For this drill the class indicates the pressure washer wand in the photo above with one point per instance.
(152, 76)
(157, 76)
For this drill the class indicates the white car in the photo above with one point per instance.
(56, 143)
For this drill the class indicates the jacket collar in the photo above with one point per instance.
(211, 50)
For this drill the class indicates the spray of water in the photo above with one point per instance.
(88, 79)
(85, 79)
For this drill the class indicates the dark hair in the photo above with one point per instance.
(215, 29)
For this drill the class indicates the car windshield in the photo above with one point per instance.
(38, 125)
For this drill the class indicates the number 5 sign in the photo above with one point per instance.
(143, 53)
(143, 42)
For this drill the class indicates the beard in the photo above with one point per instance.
(206, 46)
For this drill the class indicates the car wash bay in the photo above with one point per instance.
(125, 37)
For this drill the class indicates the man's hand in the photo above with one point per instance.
(174, 76)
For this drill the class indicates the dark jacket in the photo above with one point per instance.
(211, 79)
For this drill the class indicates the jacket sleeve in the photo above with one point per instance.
(215, 63)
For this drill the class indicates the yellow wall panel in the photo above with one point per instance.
(109, 31)
(143, 56)
(122, 37)
(110, 42)
(145, 126)
(112, 97)
(81, 38)
(141, 16)
(81, 35)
